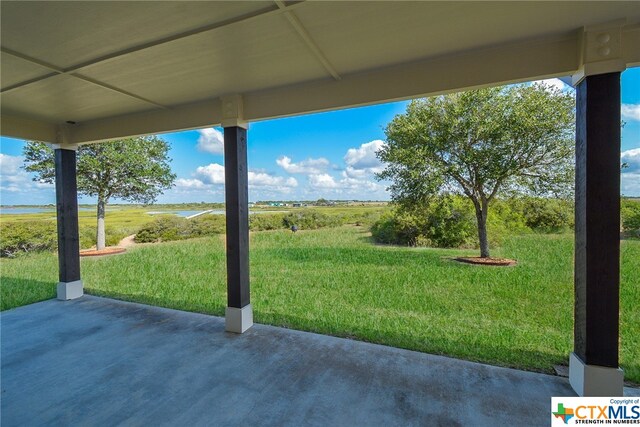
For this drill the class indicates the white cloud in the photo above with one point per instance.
(351, 172)
(345, 185)
(630, 176)
(322, 181)
(210, 179)
(359, 185)
(309, 166)
(356, 180)
(630, 184)
(12, 178)
(364, 157)
(189, 184)
(632, 159)
(630, 111)
(10, 165)
(555, 83)
(263, 179)
(211, 174)
(211, 141)
(362, 161)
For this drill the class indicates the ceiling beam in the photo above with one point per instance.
(631, 45)
(28, 129)
(191, 116)
(506, 64)
(526, 61)
(164, 40)
(117, 90)
(306, 38)
(59, 71)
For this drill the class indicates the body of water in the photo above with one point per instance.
(185, 214)
(16, 211)
(52, 210)
(19, 211)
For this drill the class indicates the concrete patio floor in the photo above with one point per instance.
(97, 361)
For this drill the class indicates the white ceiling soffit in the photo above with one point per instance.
(119, 69)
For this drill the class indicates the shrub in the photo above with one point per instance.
(449, 224)
(87, 236)
(165, 228)
(162, 228)
(114, 235)
(505, 218)
(309, 219)
(507, 215)
(206, 225)
(547, 215)
(396, 228)
(367, 218)
(630, 217)
(259, 222)
(359, 217)
(28, 236)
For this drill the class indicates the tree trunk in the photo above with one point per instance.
(100, 234)
(481, 216)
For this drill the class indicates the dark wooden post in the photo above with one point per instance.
(70, 285)
(594, 363)
(239, 315)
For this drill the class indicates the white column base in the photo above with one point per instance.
(593, 380)
(238, 320)
(70, 290)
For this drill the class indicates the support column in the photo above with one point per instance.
(593, 366)
(238, 314)
(70, 285)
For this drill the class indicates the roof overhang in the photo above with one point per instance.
(117, 69)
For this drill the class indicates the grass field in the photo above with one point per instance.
(124, 220)
(335, 281)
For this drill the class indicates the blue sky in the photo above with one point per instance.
(330, 155)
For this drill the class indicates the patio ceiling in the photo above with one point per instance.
(118, 69)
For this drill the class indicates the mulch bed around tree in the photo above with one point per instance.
(112, 250)
(503, 262)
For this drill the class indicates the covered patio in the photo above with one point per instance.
(93, 361)
(83, 72)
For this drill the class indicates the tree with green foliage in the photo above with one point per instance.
(481, 143)
(132, 169)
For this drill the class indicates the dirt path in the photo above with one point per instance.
(127, 241)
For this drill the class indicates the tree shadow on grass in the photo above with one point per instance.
(631, 237)
(341, 255)
(17, 291)
(213, 309)
(510, 357)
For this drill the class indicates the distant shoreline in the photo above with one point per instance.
(212, 205)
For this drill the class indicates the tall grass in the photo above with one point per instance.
(336, 281)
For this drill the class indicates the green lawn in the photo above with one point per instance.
(335, 281)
